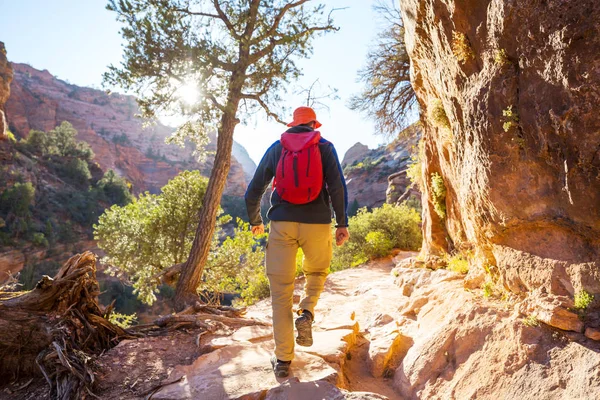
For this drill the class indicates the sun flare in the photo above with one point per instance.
(188, 93)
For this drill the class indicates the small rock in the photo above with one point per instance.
(592, 333)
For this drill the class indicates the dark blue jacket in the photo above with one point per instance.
(333, 195)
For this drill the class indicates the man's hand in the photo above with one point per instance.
(341, 236)
(258, 229)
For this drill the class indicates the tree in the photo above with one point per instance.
(152, 233)
(115, 188)
(226, 55)
(388, 96)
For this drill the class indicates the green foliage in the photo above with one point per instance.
(122, 320)
(378, 244)
(582, 300)
(438, 116)
(76, 171)
(531, 321)
(457, 263)
(374, 233)
(170, 48)
(114, 188)
(11, 137)
(59, 142)
(415, 169)
(154, 232)
(488, 289)
(18, 200)
(234, 206)
(500, 57)
(39, 240)
(121, 139)
(236, 265)
(511, 118)
(438, 190)
(461, 47)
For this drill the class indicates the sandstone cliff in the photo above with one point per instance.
(6, 75)
(109, 124)
(509, 92)
(376, 176)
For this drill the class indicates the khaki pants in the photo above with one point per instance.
(284, 240)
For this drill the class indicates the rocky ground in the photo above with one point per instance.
(382, 331)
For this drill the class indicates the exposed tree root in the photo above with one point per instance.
(56, 328)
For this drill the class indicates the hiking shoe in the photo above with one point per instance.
(304, 328)
(281, 368)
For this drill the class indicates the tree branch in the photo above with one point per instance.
(256, 97)
(280, 16)
(287, 39)
(225, 20)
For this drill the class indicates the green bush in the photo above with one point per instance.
(437, 114)
(114, 189)
(458, 263)
(122, 320)
(374, 233)
(74, 170)
(582, 300)
(438, 189)
(39, 240)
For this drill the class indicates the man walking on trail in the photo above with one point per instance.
(308, 183)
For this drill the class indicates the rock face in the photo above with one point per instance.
(509, 93)
(6, 75)
(374, 177)
(40, 101)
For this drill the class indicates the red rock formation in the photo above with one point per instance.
(519, 152)
(376, 176)
(6, 75)
(40, 101)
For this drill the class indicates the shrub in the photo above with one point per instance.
(437, 114)
(488, 289)
(374, 233)
(122, 320)
(500, 57)
(582, 300)
(531, 321)
(458, 264)
(438, 189)
(461, 47)
(378, 244)
(114, 188)
(76, 171)
(39, 240)
(11, 137)
(511, 118)
(415, 169)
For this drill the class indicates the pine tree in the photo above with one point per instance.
(239, 52)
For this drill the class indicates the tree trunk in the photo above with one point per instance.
(54, 328)
(191, 274)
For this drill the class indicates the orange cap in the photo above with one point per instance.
(304, 115)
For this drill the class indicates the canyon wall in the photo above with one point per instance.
(509, 92)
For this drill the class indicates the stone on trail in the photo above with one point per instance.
(592, 333)
(332, 346)
(237, 370)
(252, 333)
(388, 347)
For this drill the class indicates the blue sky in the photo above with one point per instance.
(76, 40)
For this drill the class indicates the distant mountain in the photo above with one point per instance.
(108, 123)
(376, 176)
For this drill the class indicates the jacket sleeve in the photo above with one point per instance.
(336, 186)
(258, 185)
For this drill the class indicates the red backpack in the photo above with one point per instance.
(299, 176)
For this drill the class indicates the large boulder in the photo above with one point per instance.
(509, 91)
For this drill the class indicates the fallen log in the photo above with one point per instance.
(56, 328)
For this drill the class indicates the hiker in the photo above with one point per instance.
(308, 183)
